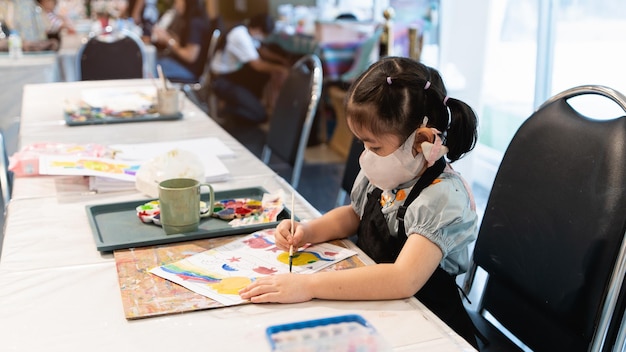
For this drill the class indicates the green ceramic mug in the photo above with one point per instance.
(179, 200)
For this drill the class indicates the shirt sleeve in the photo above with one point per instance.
(442, 213)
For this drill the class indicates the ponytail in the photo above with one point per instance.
(462, 132)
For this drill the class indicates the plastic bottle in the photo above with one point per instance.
(15, 45)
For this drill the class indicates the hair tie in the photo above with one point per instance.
(445, 101)
(427, 85)
(388, 80)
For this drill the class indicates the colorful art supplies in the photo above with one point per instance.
(25, 162)
(116, 225)
(228, 209)
(271, 207)
(339, 333)
(114, 105)
(238, 211)
(150, 212)
(145, 295)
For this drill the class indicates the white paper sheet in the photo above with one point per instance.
(120, 98)
(199, 146)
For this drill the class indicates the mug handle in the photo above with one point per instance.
(211, 200)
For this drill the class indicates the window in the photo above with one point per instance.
(528, 51)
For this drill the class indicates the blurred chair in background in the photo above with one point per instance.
(113, 55)
(200, 92)
(291, 121)
(350, 171)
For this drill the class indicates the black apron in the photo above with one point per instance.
(439, 293)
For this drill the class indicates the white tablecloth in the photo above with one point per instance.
(58, 293)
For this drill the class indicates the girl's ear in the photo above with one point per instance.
(423, 134)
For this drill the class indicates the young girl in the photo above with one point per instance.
(412, 213)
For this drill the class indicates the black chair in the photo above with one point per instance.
(294, 112)
(200, 92)
(351, 171)
(6, 184)
(112, 55)
(552, 237)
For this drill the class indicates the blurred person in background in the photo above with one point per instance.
(24, 17)
(182, 38)
(55, 23)
(248, 78)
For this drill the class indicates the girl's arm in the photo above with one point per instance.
(417, 261)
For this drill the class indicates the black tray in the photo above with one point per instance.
(116, 225)
(117, 119)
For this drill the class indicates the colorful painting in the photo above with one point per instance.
(221, 272)
(145, 295)
(88, 166)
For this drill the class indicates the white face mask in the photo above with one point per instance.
(388, 172)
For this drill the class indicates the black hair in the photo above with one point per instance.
(193, 9)
(395, 94)
(264, 22)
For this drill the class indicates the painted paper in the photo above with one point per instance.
(220, 273)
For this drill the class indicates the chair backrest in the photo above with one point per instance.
(552, 235)
(115, 55)
(365, 56)
(351, 170)
(6, 179)
(291, 121)
(206, 74)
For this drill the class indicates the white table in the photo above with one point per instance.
(58, 293)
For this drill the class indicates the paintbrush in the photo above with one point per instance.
(162, 77)
(292, 226)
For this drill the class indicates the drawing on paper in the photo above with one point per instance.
(221, 272)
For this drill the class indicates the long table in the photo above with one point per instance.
(58, 293)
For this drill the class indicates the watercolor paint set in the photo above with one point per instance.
(340, 333)
(118, 226)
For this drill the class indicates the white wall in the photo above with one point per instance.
(464, 28)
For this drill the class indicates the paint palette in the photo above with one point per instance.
(228, 209)
(117, 226)
(341, 333)
(151, 212)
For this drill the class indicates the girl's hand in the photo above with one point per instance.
(281, 288)
(283, 237)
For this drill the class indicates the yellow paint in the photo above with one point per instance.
(231, 285)
(299, 258)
